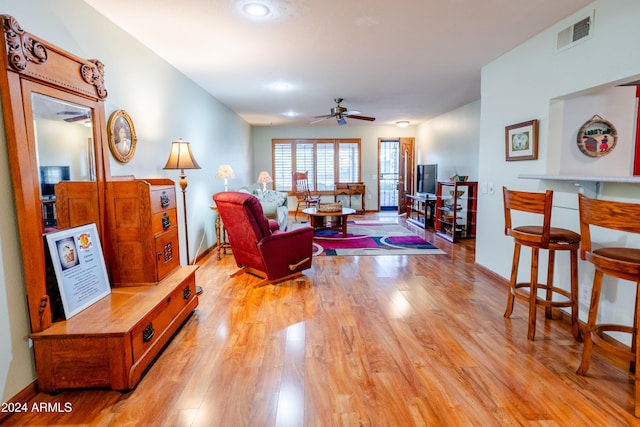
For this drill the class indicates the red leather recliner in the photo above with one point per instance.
(274, 256)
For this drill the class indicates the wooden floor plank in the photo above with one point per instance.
(361, 341)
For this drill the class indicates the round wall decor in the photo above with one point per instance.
(122, 136)
(597, 137)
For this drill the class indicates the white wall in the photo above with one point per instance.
(451, 141)
(526, 84)
(263, 135)
(164, 106)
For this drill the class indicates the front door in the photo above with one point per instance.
(395, 178)
(388, 161)
(405, 173)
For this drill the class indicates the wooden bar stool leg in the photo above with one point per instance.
(533, 293)
(634, 346)
(575, 324)
(593, 314)
(551, 265)
(634, 332)
(513, 280)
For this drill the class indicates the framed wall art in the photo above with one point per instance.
(521, 141)
(122, 136)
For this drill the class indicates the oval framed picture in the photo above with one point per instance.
(597, 137)
(122, 136)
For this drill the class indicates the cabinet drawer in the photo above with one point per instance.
(163, 221)
(167, 252)
(151, 328)
(162, 198)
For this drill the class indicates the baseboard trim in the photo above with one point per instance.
(204, 254)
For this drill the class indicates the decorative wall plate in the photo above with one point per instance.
(597, 137)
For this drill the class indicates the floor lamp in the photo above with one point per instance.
(181, 158)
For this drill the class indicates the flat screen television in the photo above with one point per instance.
(426, 178)
(49, 177)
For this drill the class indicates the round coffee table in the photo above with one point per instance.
(329, 220)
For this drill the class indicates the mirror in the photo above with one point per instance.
(64, 149)
(48, 95)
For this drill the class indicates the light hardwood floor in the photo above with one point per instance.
(361, 341)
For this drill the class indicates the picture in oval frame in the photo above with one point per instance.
(122, 136)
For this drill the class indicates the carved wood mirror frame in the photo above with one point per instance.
(32, 65)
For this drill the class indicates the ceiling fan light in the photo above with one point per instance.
(402, 123)
(255, 9)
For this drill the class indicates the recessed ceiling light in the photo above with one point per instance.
(290, 114)
(256, 9)
(402, 123)
(281, 86)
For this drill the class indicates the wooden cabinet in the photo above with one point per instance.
(351, 195)
(421, 210)
(456, 204)
(76, 203)
(144, 230)
(113, 342)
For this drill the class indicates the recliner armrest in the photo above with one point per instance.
(284, 248)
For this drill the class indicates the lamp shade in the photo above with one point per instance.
(264, 177)
(225, 172)
(181, 156)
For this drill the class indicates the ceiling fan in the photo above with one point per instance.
(341, 113)
(73, 116)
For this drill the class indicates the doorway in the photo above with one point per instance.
(395, 173)
(388, 155)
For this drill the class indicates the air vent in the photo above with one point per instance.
(575, 33)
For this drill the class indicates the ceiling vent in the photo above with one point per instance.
(574, 34)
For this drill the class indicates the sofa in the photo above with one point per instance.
(275, 204)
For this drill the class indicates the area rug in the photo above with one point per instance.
(372, 239)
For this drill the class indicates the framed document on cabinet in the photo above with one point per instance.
(79, 265)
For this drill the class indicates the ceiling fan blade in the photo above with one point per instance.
(324, 116)
(370, 119)
(77, 118)
(320, 120)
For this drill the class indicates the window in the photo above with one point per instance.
(326, 160)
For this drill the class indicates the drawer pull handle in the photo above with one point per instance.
(166, 221)
(148, 333)
(164, 200)
(186, 293)
(168, 252)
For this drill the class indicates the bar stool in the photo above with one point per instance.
(619, 262)
(540, 237)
